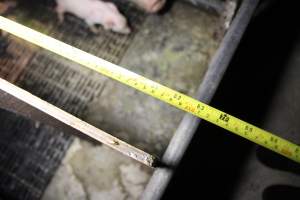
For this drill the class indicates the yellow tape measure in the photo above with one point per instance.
(172, 97)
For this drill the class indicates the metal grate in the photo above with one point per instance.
(30, 153)
(60, 84)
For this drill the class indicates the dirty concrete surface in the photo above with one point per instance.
(170, 49)
(173, 49)
(97, 172)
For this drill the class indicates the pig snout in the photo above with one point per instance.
(119, 26)
(115, 21)
(150, 6)
(125, 30)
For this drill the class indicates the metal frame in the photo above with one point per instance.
(187, 128)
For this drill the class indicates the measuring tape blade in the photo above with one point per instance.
(172, 97)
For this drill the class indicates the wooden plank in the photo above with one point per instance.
(77, 124)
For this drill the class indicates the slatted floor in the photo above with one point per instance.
(39, 147)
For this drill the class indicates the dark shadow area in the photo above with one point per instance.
(279, 192)
(212, 164)
(276, 161)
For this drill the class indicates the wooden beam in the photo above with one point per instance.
(77, 123)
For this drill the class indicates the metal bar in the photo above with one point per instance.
(184, 134)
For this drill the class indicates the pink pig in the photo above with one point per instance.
(150, 6)
(94, 12)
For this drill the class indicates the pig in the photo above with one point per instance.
(94, 12)
(150, 6)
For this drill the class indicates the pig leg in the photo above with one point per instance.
(92, 27)
(150, 6)
(60, 13)
(94, 30)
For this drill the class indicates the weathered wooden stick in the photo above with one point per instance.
(77, 124)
